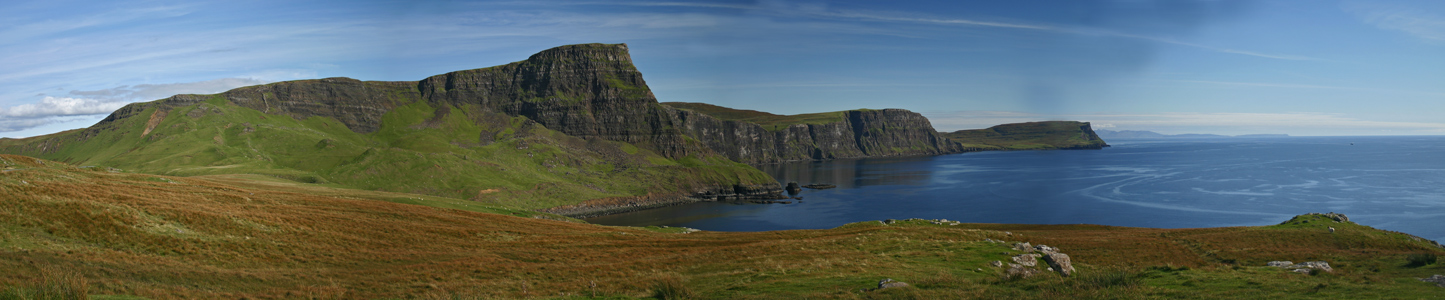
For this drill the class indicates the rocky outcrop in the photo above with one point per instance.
(890, 283)
(1304, 267)
(607, 206)
(1438, 280)
(1027, 260)
(357, 104)
(587, 91)
(858, 133)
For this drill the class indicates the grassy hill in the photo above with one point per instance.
(105, 232)
(1031, 136)
(769, 121)
(419, 148)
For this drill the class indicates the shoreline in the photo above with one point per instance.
(618, 205)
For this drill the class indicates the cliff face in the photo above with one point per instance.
(588, 91)
(860, 133)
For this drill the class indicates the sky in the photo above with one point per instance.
(1299, 67)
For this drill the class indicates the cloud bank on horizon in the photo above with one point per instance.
(1344, 67)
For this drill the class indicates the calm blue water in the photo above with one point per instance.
(1393, 183)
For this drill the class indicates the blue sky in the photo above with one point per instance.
(1300, 67)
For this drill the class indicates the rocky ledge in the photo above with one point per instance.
(608, 206)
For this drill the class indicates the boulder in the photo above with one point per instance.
(1438, 279)
(1318, 265)
(1303, 267)
(1046, 249)
(1018, 271)
(1026, 259)
(890, 283)
(794, 188)
(996, 263)
(1059, 262)
(1025, 247)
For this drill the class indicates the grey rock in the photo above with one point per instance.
(1059, 262)
(1318, 265)
(1020, 271)
(1305, 266)
(1025, 247)
(1046, 249)
(1438, 279)
(1280, 263)
(890, 283)
(996, 263)
(1026, 259)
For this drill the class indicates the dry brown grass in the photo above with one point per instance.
(175, 237)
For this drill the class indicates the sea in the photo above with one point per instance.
(1393, 183)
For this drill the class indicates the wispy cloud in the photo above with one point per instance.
(1403, 18)
(1309, 86)
(157, 91)
(897, 17)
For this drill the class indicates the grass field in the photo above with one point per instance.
(231, 237)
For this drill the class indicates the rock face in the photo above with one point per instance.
(859, 133)
(589, 90)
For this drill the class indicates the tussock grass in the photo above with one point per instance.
(1420, 259)
(51, 283)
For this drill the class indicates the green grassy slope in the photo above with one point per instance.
(771, 122)
(1030, 136)
(456, 152)
(231, 237)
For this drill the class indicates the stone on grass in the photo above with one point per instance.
(1280, 263)
(890, 283)
(1026, 259)
(1438, 279)
(1060, 262)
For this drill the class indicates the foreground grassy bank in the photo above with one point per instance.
(216, 237)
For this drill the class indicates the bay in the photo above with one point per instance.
(1392, 183)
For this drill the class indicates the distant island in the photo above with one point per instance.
(1141, 134)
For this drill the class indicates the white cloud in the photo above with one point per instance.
(1216, 123)
(144, 92)
(52, 106)
(50, 109)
